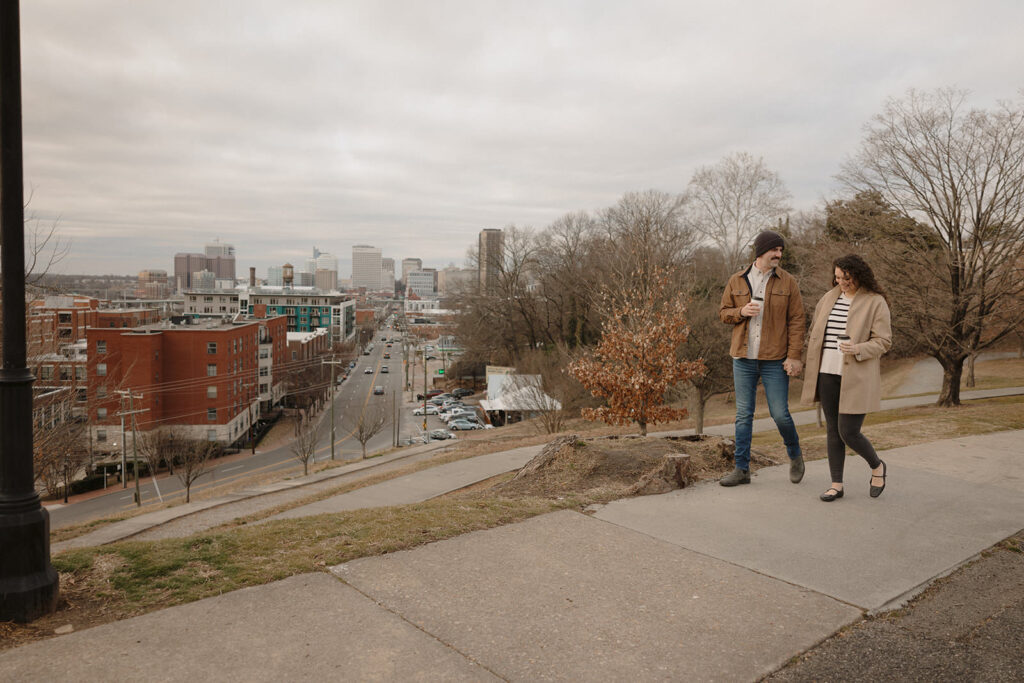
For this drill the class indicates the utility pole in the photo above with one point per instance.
(424, 389)
(131, 412)
(330, 394)
(29, 585)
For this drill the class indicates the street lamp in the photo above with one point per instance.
(29, 585)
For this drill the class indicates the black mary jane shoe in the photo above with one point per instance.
(876, 491)
(831, 495)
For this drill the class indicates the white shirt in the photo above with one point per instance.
(831, 356)
(758, 283)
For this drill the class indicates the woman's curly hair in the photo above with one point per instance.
(861, 273)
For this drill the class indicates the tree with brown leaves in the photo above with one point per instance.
(635, 362)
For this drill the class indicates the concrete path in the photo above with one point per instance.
(703, 583)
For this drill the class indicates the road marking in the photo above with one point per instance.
(236, 467)
(128, 497)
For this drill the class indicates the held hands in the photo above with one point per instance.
(792, 367)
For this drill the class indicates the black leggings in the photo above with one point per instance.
(843, 429)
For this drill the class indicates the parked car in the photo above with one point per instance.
(384, 368)
(460, 392)
(379, 390)
(431, 357)
(463, 425)
(431, 410)
(352, 364)
(441, 434)
(458, 415)
(433, 393)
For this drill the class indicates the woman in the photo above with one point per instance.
(849, 333)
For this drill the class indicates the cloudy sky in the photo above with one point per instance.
(154, 127)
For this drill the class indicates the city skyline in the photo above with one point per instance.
(150, 127)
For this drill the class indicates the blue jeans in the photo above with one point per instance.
(745, 373)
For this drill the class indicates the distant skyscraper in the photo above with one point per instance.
(275, 276)
(218, 258)
(387, 274)
(423, 283)
(490, 255)
(326, 280)
(409, 265)
(453, 279)
(366, 267)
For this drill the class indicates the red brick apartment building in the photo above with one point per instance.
(59, 320)
(204, 378)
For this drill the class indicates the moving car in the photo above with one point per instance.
(387, 356)
(379, 390)
(384, 368)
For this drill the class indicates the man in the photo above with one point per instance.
(764, 306)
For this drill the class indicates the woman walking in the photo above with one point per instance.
(849, 333)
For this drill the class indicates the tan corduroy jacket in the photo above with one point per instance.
(782, 330)
(870, 330)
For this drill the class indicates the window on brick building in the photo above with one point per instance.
(211, 414)
(211, 391)
(101, 346)
(101, 435)
(211, 347)
(79, 372)
(101, 391)
(101, 369)
(46, 372)
(211, 370)
(101, 413)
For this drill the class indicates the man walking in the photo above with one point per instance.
(764, 306)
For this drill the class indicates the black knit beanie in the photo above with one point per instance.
(767, 240)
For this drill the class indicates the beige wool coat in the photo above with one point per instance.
(870, 328)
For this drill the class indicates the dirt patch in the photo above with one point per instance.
(613, 467)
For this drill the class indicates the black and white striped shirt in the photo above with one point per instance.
(831, 358)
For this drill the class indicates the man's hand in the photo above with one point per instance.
(792, 367)
(751, 309)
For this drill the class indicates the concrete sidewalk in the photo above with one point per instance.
(698, 584)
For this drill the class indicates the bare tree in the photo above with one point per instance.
(367, 424)
(730, 202)
(306, 436)
(556, 383)
(950, 240)
(191, 459)
(60, 448)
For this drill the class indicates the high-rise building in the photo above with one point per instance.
(422, 283)
(218, 258)
(366, 267)
(326, 280)
(409, 265)
(490, 256)
(275, 276)
(387, 274)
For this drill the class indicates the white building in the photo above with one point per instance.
(451, 280)
(423, 283)
(275, 276)
(366, 267)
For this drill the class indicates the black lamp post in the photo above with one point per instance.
(28, 582)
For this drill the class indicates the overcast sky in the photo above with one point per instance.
(154, 127)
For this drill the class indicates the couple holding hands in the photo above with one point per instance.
(848, 335)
